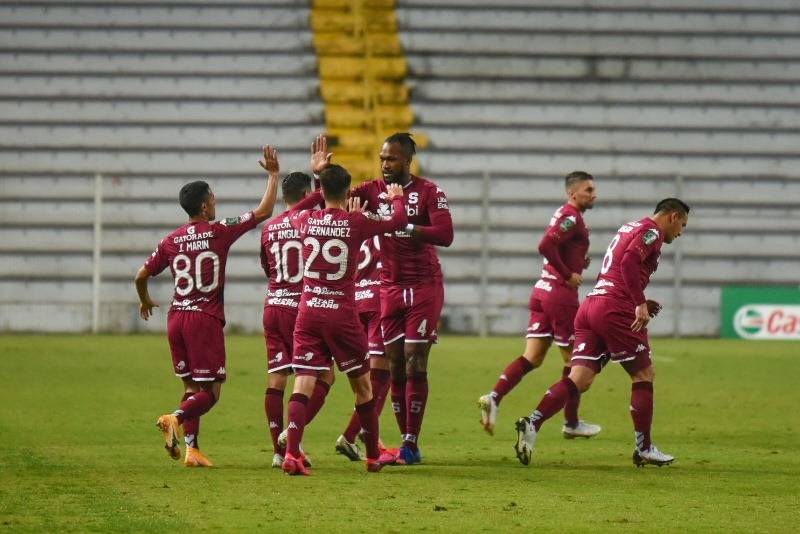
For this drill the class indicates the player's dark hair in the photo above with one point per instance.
(294, 185)
(406, 142)
(575, 177)
(669, 205)
(192, 196)
(335, 180)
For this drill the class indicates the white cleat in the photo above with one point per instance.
(582, 430)
(526, 439)
(488, 408)
(350, 450)
(651, 456)
(277, 461)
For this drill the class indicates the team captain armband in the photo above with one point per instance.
(233, 221)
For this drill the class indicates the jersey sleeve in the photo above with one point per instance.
(233, 228)
(264, 257)
(440, 231)
(639, 248)
(561, 229)
(158, 260)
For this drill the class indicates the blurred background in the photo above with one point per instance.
(108, 107)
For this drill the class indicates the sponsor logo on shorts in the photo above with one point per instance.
(580, 347)
(181, 365)
(278, 357)
(203, 371)
(221, 371)
(535, 326)
(306, 357)
(640, 348)
(349, 362)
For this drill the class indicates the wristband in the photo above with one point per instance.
(409, 227)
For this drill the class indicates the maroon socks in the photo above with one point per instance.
(571, 408)
(191, 427)
(553, 401)
(273, 407)
(642, 413)
(416, 399)
(511, 376)
(368, 420)
(296, 423)
(195, 405)
(321, 389)
(380, 388)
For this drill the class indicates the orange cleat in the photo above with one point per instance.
(195, 458)
(168, 424)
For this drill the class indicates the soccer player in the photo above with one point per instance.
(412, 290)
(196, 254)
(611, 325)
(553, 303)
(368, 305)
(282, 261)
(327, 325)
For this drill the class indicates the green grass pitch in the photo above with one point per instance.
(79, 450)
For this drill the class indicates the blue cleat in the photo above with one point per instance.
(406, 456)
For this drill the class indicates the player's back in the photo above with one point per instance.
(197, 253)
(331, 238)
(282, 261)
(641, 237)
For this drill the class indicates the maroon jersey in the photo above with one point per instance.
(567, 238)
(196, 253)
(411, 260)
(331, 241)
(637, 244)
(368, 296)
(282, 261)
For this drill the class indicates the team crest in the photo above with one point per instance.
(650, 237)
(567, 223)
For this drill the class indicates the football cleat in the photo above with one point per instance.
(385, 458)
(348, 449)
(283, 439)
(277, 460)
(581, 430)
(294, 466)
(651, 456)
(488, 408)
(195, 458)
(526, 439)
(405, 456)
(168, 424)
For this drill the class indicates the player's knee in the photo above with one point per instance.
(361, 386)
(277, 380)
(416, 363)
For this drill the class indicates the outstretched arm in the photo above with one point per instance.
(269, 163)
(146, 304)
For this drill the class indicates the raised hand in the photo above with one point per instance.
(269, 162)
(394, 191)
(354, 205)
(320, 157)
